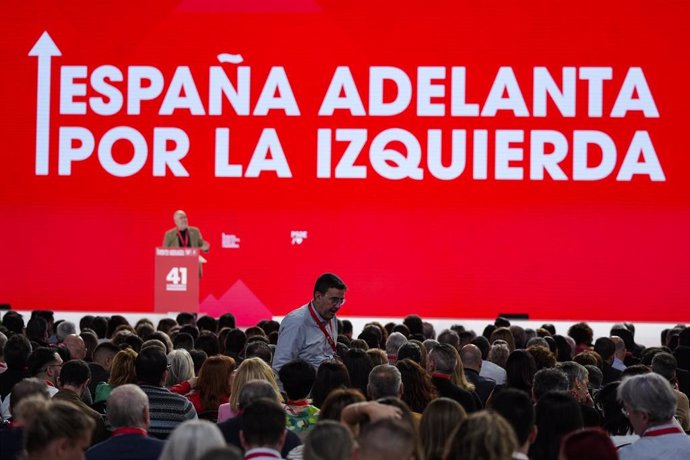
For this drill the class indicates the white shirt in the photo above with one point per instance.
(494, 372)
(300, 337)
(673, 446)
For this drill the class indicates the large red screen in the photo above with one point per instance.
(453, 159)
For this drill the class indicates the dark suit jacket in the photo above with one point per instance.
(231, 432)
(448, 389)
(126, 447)
(610, 374)
(482, 386)
(11, 443)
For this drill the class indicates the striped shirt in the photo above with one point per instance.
(167, 410)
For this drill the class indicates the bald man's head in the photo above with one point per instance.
(471, 357)
(76, 346)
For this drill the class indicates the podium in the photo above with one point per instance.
(176, 280)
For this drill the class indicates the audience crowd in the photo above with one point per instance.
(193, 388)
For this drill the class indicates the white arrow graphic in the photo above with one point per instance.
(44, 49)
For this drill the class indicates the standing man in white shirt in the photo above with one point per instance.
(310, 332)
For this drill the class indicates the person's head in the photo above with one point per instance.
(64, 329)
(181, 367)
(606, 349)
(557, 414)
(122, 370)
(259, 349)
(14, 322)
(483, 344)
(414, 324)
(37, 330)
(442, 359)
(76, 346)
(516, 407)
(329, 295)
(45, 363)
(207, 323)
(410, 350)
(56, 430)
(104, 354)
(543, 356)
(450, 337)
(251, 369)
(520, 370)
(328, 440)
(235, 341)
(75, 374)
(297, 377)
(419, 391)
(550, 379)
(329, 376)
(594, 441)
(263, 425)
(499, 352)
(394, 342)
(208, 343)
(620, 347)
(384, 380)
(180, 219)
(614, 421)
(226, 320)
(192, 439)
(519, 335)
(358, 367)
(578, 379)
(440, 418)
(183, 341)
(128, 406)
(503, 333)
(151, 366)
(337, 400)
(665, 364)
(471, 357)
(484, 435)
(582, 333)
(648, 400)
(386, 439)
(24, 389)
(213, 383)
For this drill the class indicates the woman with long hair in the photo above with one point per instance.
(440, 418)
(212, 386)
(329, 376)
(121, 372)
(418, 389)
(250, 369)
(557, 414)
(484, 435)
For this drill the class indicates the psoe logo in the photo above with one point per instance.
(298, 236)
(230, 241)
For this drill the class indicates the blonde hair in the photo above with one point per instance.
(251, 369)
(484, 435)
(51, 420)
(458, 375)
(122, 370)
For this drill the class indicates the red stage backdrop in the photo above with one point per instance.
(453, 159)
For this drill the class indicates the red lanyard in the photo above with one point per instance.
(662, 431)
(439, 375)
(129, 430)
(329, 339)
(185, 240)
(260, 454)
(301, 402)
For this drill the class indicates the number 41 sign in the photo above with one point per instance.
(176, 283)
